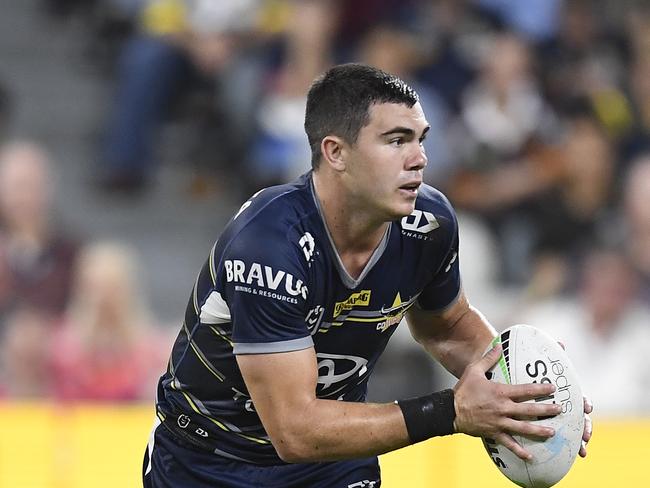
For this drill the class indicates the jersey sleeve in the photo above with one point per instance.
(264, 282)
(444, 287)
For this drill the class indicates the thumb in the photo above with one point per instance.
(491, 358)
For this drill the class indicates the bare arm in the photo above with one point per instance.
(455, 337)
(304, 428)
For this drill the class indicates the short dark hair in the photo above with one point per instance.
(338, 103)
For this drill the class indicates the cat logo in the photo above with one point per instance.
(359, 299)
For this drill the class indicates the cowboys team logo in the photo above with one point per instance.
(395, 313)
(347, 312)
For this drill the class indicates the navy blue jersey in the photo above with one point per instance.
(274, 283)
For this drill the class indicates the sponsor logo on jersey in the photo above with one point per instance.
(336, 371)
(364, 484)
(359, 299)
(264, 280)
(419, 224)
(308, 245)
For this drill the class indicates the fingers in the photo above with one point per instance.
(527, 429)
(586, 436)
(532, 411)
(587, 432)
(509, 442)
(490, 359)
(529, 391)
(589, 407)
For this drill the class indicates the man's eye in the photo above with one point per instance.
(397, 142)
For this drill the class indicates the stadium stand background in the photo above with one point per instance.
(565, 240)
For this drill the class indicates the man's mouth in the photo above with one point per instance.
(411, 188)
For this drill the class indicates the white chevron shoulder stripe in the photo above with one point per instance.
(215, 310)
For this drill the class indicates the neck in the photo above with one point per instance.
(355, 230)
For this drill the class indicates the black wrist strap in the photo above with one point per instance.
(429, 416)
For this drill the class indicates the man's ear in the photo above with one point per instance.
(333, 149)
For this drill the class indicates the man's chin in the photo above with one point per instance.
(401, 211)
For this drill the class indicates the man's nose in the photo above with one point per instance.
(419, 159)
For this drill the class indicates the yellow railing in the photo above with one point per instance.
(90, 446)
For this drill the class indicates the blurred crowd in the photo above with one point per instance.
(540, 136)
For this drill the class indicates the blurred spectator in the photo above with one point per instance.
(107, 348)
(5, 111)
(36, 254)
(637, 218)
(536, 20)
(636, 140)
(502, 141)
(456, 36)
(24, 352)
(605, 330)
(585, 59)
(182, 44)
(396, 49)
(280, 150)
(575, 212)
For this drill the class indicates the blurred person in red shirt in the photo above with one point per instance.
(106, 347)
(24, 350)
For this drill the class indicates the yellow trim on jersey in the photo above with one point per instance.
(211, 266)
(221, 336)
(373, 319)
(191, 402)
(210, 368)
(195, 298)
(199, 354)
(254, 439)
(220, 424)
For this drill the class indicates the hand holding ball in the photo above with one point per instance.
(531, 356)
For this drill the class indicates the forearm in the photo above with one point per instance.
(304, 428)
(460, 338)
(329, 430)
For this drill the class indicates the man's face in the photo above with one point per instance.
(384, 166)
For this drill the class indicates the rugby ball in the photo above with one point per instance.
(532, 356)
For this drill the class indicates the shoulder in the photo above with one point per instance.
(433, 211)
(433, 200)
(270, 224)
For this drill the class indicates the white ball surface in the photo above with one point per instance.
(532, 356)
